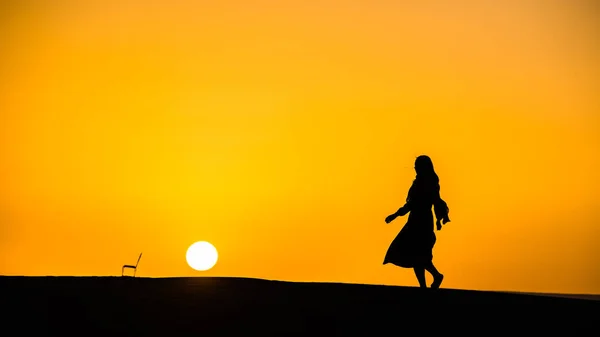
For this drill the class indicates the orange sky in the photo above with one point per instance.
(284, 132)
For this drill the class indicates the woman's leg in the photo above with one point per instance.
(431, 269)
(437, 276)
(420, 274)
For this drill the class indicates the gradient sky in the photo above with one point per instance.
(284, 132)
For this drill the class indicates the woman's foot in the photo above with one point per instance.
(437, 281)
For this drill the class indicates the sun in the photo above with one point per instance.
(202, 256)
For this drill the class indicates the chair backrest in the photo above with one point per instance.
(138, 261)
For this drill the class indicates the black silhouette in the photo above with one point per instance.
(412, 247)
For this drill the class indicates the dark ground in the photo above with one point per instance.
(115, 306)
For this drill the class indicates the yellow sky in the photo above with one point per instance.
(284, 132)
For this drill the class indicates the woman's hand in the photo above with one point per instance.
(390, 218)
(439, 223)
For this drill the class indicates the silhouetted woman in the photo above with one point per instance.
(413, 246)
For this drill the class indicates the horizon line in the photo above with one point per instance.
(589, 296)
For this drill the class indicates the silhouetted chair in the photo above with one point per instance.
(132, 267)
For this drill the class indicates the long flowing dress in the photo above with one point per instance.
(413, 246)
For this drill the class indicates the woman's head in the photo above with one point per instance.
(424, 167)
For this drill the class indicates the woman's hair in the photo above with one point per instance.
(426, 177)
(425, 170)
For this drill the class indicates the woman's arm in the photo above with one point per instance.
(402, 211)
(441, 210)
